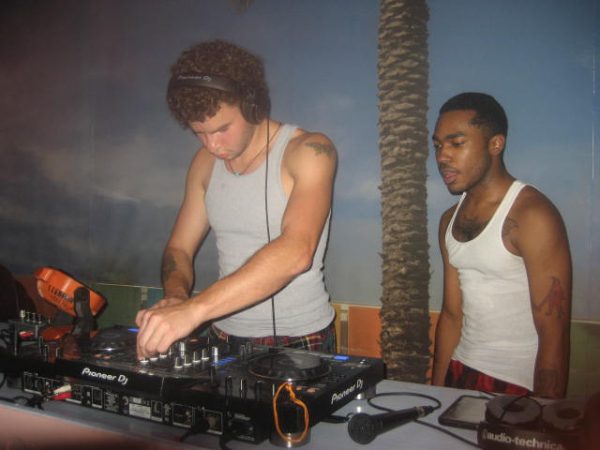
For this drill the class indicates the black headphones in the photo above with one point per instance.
(254, 103)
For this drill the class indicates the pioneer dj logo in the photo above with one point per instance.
(355, 388)
(121, 379)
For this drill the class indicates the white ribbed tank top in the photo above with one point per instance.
(498, 335)
(237, 215)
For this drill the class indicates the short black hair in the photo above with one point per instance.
(488, 112)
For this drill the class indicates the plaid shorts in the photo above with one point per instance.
(320, 341)
(465, 377)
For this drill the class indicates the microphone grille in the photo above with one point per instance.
(362, 428)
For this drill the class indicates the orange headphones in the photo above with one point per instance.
(58, 288)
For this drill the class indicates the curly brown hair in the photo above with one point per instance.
(189, 103)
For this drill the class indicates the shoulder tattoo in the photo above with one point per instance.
(321, 148)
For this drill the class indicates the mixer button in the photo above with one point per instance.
(205, 356)
(196, 357)
(178, 363)
(181, 347)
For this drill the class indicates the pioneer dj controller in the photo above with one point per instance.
(195, 385)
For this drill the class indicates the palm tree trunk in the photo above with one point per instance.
(403, 143)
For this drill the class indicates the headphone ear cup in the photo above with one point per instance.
(564, 415)
(513, 410)
(263, 104)
(255, 104)
(249, 106)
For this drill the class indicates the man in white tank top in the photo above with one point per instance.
(505, 319)
(265, 189)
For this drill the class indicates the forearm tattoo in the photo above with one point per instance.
(554, 301)
(168, 266)
(326, 149)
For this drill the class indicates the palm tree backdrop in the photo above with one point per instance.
(403, 143)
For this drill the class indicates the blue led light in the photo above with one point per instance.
(224, 361)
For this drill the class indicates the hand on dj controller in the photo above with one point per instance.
(163, 324)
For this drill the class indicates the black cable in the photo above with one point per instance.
(267, 220)
(449, 433)
(398, 394)
(6, 336)
(197, 428)
(11, 400)
(337, 419)
(421, 422)
(223, 439)
(511, 403)
(267, 184)
(35, 401)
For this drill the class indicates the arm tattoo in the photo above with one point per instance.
(168, 266)
(553, 301)
(320, 148)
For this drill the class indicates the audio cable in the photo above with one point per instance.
(420, 422)
(266, 190)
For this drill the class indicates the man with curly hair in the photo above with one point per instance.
(265, 189)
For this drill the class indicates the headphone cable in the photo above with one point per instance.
(268, 227)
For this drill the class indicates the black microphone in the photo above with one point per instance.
(363, 428)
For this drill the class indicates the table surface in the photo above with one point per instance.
(65, 425)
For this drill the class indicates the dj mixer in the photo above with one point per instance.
(255, 394)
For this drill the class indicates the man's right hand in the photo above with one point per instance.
(161, 325)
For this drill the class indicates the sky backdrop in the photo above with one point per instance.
(94, 167)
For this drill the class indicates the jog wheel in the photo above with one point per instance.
(289, 365)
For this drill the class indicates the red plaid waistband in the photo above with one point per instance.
(321, 341)
(465, 377)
